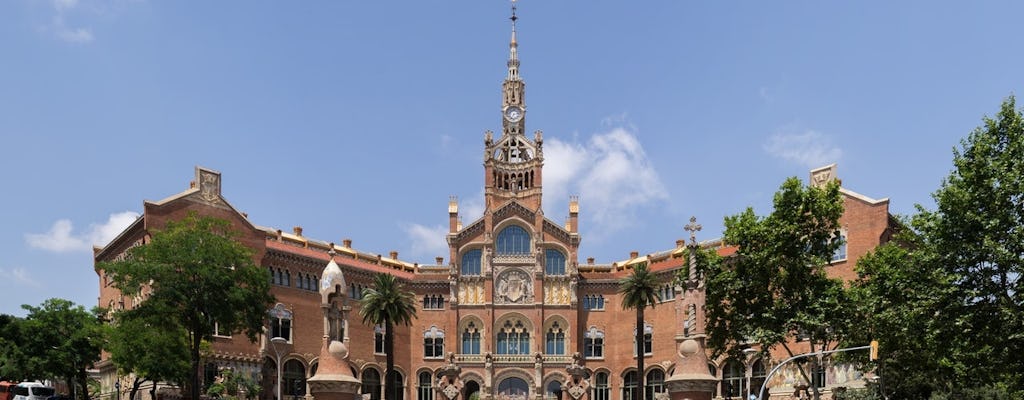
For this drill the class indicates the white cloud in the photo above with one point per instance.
(63, 5)
(427, 241)
(808, 148)
(610, 172)
(61, 238)
(60, 29)
(18, 275)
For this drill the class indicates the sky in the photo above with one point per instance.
(358, 119)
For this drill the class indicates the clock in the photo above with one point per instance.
(513, 113)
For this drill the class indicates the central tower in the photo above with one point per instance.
(513, 163)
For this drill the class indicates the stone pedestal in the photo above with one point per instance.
(333, 379)
(691, 380)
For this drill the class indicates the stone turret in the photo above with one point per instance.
(333, 379)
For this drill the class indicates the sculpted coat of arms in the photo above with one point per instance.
(515, 287)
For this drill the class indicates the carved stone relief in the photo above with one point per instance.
(514, 286)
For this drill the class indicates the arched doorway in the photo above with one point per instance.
(293, 380)
(268, 379)
(513, 389)
(472, 388)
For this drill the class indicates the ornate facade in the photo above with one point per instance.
(511, 315)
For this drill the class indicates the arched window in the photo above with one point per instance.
(554, 341)
(553, 391)
(655, 383)
(280, 322)
(629, 386)
(513, 240)
(471, 262)
(667, 292)
(425, 392)
(734, 383)
(395, 385)
(513, 339)
(554, 262)
(648, 340)
(601, 391)
(513, 388)
(757, 376)
(471, 340)
(371, 383)
(433, 343)
(293, 379)
(593, 343)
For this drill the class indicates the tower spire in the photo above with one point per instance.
(513, 56)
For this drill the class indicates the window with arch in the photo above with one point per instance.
(513, 338)
(554, 262)
(471, 339)
(433, 343)
(513, 240)
(648, 344)
(667, 292)
(394, 384)
(425, 390)
(734, 383)
(293, 379)
(433, 302)
(553, 390)
(757, 376)
(593, 343)
(287, 278)
(471, 262)
(593, 302)
(513, 388)
(554, 340)
(378, 338)
(371, 383)
(654, 383)
(629, 386)
(280, 322)
(601, 388)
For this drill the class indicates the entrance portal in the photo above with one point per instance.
(513, 389)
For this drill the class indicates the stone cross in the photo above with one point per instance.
(693, 227)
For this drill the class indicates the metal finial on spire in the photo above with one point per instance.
(513, 57)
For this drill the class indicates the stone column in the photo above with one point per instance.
(333, 379)
(691, 379)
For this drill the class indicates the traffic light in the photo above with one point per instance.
(874, 351)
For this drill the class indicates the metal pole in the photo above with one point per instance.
(799, 356)
(274, 341)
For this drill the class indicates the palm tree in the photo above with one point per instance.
(389, 304)
(639, 290)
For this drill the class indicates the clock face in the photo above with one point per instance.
(513, 113)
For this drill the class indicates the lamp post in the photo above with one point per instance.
(274, 341)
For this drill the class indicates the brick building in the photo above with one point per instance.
(512, 304)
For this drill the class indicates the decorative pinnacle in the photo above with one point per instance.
(693, 227)
(513, 57)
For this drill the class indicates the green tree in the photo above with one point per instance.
(775, 289)
(388, 303)
(196, 275)
(946, 305)
(639, 290)
(978, 230)
(10, 348)
(60, 340)
(150, 347)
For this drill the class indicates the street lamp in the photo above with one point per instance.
(274, 341)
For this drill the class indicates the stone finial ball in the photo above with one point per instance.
(338, 349)
(688, 348)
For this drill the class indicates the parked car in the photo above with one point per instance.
(32, 391)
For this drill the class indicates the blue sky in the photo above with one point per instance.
(358, 119)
